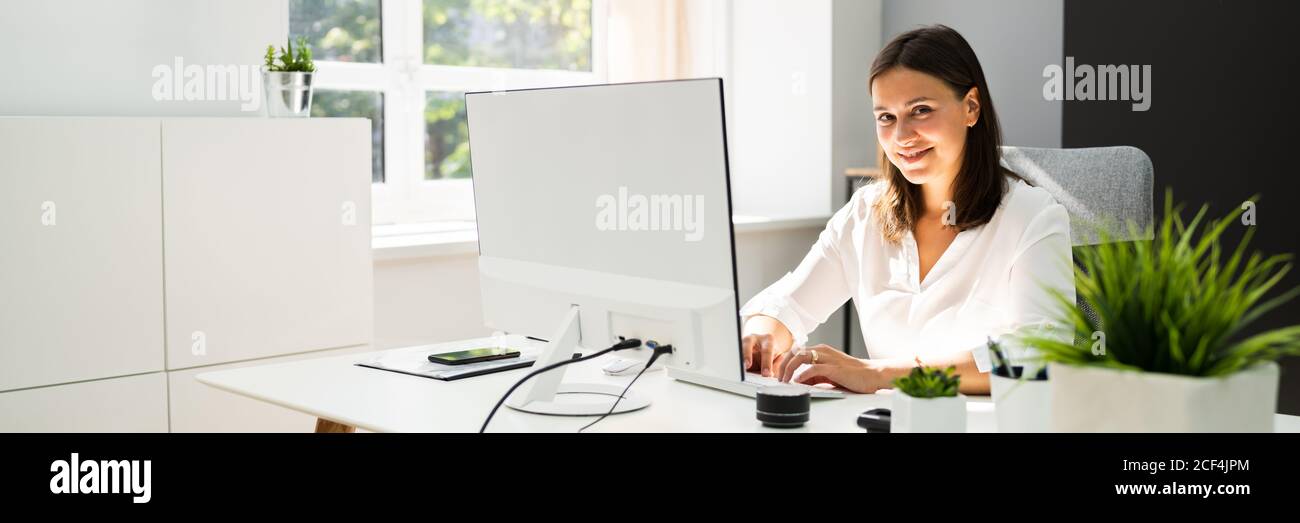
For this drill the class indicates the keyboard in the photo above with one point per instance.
(756, 380)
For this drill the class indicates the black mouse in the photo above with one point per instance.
(874, 420)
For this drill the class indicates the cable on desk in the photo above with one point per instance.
(659, 350)
(623, 344)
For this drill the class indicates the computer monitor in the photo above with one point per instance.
(605, 211)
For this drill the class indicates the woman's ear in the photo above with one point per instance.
(972, 104)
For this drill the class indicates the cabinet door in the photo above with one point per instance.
(127, 404)
(80, 249)
(267, 228)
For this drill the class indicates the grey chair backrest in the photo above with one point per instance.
(1105, 187)
(1101, 187)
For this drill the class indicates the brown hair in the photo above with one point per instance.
(981, 182)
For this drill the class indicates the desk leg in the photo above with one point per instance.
(324, 425)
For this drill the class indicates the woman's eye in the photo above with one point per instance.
(921, 110)
(885, 118)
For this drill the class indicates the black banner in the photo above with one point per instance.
(228, 472)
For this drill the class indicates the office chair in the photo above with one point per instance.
(1100, 187)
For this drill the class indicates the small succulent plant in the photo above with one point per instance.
(290, 60)
(929, 382)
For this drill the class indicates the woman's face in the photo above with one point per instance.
(921, 125)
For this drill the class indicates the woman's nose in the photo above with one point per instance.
(904, 135)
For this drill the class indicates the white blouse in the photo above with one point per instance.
(991, 280)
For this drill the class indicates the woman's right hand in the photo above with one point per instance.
(765, 339)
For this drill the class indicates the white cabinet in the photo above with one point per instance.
(81, 277)
(132, 247)
(127, 404)
(267, 237)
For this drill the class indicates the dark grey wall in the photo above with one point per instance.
(1223, 119)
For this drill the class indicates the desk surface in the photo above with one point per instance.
(334, 388)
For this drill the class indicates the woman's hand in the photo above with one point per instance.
(765, 340)
(828, 365)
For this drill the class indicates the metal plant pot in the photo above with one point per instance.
(287, 94)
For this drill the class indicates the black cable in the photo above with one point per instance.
(623, 344)
(659, 350)
(616, 400)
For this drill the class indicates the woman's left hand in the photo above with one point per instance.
(828, 365)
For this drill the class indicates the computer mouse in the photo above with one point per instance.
(875, 420)
(626, 367)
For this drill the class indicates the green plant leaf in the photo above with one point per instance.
(928, 382)
(1173, 304)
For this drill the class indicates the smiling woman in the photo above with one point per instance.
(945, 250)
(936, 123)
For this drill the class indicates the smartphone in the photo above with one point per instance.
(474, 355)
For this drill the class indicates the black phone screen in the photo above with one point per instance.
(473, 355)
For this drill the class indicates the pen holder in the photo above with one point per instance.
(1021, 405)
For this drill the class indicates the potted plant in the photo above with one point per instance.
(926, 400)
(1167, 350)
(286, 80)
(1021, 394)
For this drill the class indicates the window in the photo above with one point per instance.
(339, 30)
(446, 136)
(406, 64)
(542, 34)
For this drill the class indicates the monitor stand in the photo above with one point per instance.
(547, 394)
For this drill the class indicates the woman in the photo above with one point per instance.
(945, 250)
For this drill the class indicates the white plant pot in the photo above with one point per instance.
(910, 414)
(1021, 405)
(1095, 399)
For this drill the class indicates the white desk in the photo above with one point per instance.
(334, 389)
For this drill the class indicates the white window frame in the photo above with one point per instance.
(403, 79)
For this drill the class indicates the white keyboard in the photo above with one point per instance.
(757, 380)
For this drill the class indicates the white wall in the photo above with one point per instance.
(427, 300)
(1014, 40)
(779, 111)
(799, 111)
(856, 32)
(96, 58)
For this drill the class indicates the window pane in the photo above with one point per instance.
(339, 30)
(446, 137)
(360, 104)
(523, 34)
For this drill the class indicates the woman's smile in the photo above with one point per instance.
(913, 156)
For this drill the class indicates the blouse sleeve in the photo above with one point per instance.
(807, 296)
